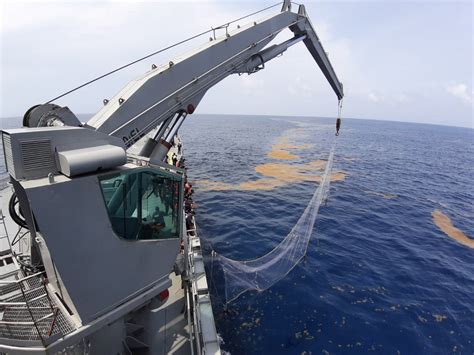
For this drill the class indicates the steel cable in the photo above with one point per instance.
(160, 51)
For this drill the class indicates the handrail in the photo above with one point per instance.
(8, 274)
(31, 313)
(12, 303)
(20, 280)
(16, 323)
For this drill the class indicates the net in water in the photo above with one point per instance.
(260, 274)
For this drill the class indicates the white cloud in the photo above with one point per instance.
(402, 98)
(389, 98)
(252, 84)
(460, 91)
(49, 46)
(374, 97)
(299, 87)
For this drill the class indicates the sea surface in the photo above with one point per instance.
(390, 265)
(380, 276)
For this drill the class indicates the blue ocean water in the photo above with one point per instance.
(379, 276)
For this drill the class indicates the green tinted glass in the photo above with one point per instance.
(143, 204)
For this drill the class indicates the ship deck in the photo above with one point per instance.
(173, 335)
(182, 324)
(165, 327)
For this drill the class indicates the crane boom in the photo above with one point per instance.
(162, 98)
(157, 97)
(316, 49)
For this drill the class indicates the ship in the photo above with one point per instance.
(99, 251)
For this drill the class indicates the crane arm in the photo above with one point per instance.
(163, 96)
(314, 46)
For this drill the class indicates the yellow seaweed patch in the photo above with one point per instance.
(285, 172)
(439, 317)
(444, 223)
(337, 176)
(315, 164)
(282, 154)
(214, 185)
(251, 185)
(283, 139)
(279, 174)
(282, 146)
(292, 133)
(297, 172)
(280, 151)
(260, 184)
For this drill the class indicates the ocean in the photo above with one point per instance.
(380, 274)
(390, 265)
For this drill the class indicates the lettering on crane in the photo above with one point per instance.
(132, 137)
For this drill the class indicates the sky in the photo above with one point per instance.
(398, 60)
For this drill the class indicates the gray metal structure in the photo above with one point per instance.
(101, 248)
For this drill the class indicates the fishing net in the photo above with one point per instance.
(260, 274)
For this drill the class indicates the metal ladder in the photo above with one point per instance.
(26, 309)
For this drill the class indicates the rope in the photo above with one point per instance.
(160, 51)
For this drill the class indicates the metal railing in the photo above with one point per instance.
(28, 312)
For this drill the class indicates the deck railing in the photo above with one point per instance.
(28, 311)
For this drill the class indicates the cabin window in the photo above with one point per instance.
(143, 204)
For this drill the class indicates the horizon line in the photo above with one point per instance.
(305, 116)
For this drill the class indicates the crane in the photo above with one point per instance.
(105, 225)
(165, 95)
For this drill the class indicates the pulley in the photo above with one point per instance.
(49, 115)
